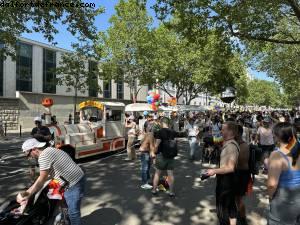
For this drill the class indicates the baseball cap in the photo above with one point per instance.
(155, 117)
(32, 143)
(131, 117)
(37, 118)
(145, 113)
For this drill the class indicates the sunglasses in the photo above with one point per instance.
(29, 153)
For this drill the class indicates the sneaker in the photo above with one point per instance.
(154, 191)
(171, 194)
(146, 186)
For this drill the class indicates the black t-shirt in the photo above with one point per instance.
(44, 131)
(167, 134)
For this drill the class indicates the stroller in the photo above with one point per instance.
(40, 209)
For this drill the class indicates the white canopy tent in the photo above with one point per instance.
(140, 107)
(191, 108)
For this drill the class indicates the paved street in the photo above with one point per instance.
(113, 194)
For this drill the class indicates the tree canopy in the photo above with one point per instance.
(247, 20)
(265, 93)
(123, 45)
(210, 65)
(15, 21)
(267, 31)
(74, 73)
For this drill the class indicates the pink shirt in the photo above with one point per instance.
(265, 136)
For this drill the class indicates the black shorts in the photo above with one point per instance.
(225, 198)
(242, 180)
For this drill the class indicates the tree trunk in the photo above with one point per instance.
(75, 103)
(132, 95)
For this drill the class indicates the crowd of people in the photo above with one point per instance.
(230, 136)
(233, 137)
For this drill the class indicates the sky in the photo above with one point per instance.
(64, 38)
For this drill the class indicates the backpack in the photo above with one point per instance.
(169, 148)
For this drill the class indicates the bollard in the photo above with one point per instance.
(20, 130)
(5, 129)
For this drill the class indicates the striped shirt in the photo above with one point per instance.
(60, 164)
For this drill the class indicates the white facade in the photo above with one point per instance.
(9, 72)
(31, 101)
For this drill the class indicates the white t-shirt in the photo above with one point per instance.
(265, 136)
(192, 129)
(175, 124)
(246, 135)
(132, 130)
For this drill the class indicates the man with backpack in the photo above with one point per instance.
(164, 153)
(226, 177)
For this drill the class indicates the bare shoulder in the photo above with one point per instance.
(277, 160)
(275, 155)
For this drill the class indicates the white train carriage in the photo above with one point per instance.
(101, 129)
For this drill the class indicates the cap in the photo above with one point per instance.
(145, 113)
(155, 117)
(131, 117)
(32, 143)
(37, 119)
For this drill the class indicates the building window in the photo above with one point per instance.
(93, 79)
(120, 90)
(107, 89)
(24, 67)
(49, 75)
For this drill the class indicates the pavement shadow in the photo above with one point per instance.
(103, 216)
(116, 183)
(113, 194)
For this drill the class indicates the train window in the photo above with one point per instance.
(92, 114)
(113, 115)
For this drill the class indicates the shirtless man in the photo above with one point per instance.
(147, 145)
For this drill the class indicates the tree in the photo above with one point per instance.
(247, 20)
(264, 93)
(282, 62)
(123, 44)
(208, 65)
(15, 20)
(237, 66)
(73, 73)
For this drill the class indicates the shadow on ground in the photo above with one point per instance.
(113, 195)
(103, 216)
